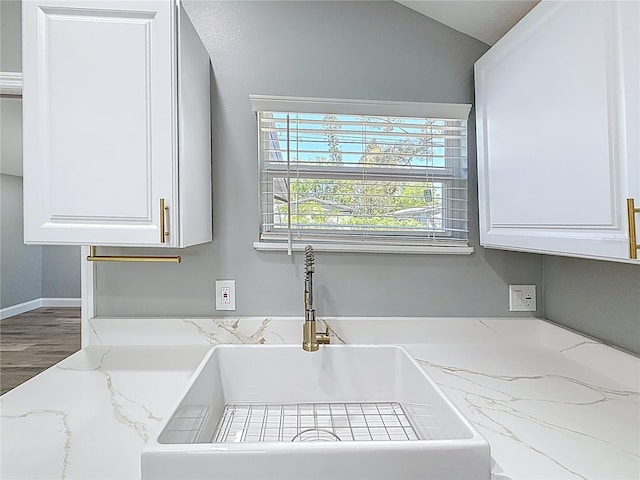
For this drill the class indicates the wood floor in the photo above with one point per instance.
(34, 341)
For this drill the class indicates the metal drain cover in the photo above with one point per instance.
(316, 435)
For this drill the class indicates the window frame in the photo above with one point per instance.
(378, 242)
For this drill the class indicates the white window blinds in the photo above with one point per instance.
(351, 172)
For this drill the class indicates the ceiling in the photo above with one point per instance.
(486, 20)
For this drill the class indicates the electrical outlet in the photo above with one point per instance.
(522, 298)
(225, 294)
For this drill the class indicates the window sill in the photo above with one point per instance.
(364, 248)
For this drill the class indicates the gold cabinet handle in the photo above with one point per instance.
(631, 215)
(164, 211)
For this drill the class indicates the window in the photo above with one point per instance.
(362, 176)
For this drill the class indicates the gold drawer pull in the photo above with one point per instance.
(631, 215)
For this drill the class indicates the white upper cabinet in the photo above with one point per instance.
(557, 122)
(116, 118)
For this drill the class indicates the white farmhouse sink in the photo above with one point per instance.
(344, 412)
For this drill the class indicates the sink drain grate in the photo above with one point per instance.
(313, 422)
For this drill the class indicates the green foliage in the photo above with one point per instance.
(335, 202)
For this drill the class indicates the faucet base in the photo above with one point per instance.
(311, 340)
(310, 346)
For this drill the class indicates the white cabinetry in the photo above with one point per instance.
(116, 123)
(557, 123)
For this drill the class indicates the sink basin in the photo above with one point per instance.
(344, 412)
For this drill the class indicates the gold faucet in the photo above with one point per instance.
(311, 340)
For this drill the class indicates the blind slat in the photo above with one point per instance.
(380, 174)
(360, 133)
(435, 124)
(448, 155)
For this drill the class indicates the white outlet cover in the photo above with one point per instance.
(522, 298)
(230, 303)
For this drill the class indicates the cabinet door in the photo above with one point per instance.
(99, 121)
(552, 163)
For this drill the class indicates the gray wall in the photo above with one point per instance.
(20, 265)
(26, 272)
(601, 299)
(367, 50)
(370, 50)
(11, 135)
(10, 107)
(10, 36)
(60, 272)
(29, 272)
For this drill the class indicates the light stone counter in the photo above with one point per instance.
(551, 403)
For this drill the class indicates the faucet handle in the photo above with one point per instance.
(323, 338)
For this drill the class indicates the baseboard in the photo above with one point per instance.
(37, 303)
(20, 308)
(61, 302)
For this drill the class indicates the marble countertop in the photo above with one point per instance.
(551, 403)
